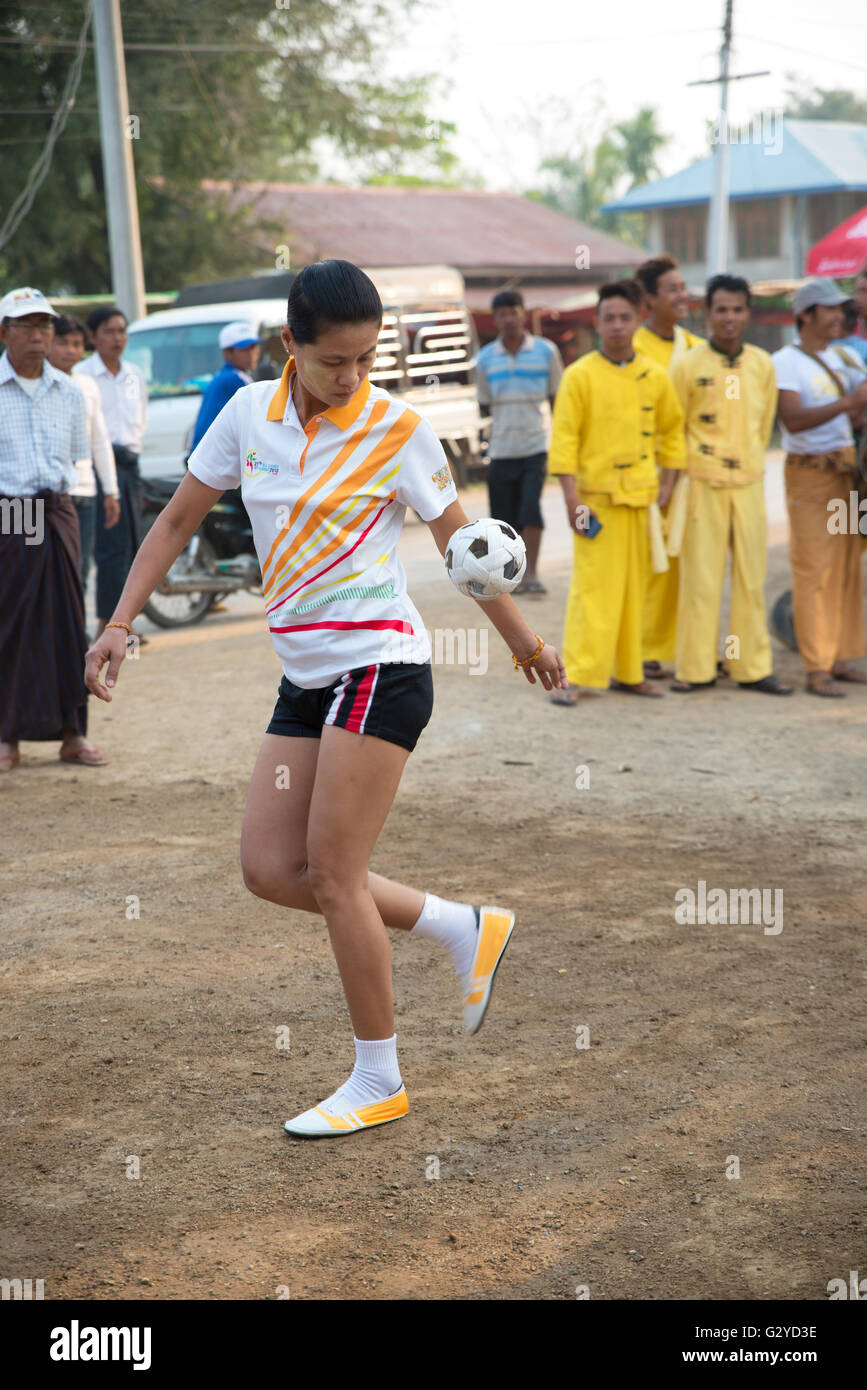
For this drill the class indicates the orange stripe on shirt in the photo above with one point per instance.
(376, 414)
(342, 536)
(388, 446)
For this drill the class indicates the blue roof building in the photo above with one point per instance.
(790, 183)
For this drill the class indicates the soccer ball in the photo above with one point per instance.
(486, 558)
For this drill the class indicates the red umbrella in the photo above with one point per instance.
(843, 251)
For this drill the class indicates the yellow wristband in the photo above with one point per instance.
(528, 660)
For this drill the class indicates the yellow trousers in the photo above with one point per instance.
(602, 636)
(659, 620)
(722, 519)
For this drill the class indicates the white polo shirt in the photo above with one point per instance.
(327, 505)
(124, 399)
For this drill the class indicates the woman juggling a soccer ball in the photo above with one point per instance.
(328, 464)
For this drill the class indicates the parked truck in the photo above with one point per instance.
(427, 356)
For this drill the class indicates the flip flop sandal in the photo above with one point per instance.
(825, 690)
(769, 685)
(645, 689)
(557, 698)
(87, 757)
(687, 687)
(536, 587)
(8, 761)
(854, 677)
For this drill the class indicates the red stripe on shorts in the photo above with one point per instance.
(360, 705)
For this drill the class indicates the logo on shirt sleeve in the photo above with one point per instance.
(254, 465)
(442, 477)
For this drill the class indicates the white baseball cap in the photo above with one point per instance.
(238, 335)
(25, 300)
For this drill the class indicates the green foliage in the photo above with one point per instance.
(292, 86)
(822, 103)
(591, 174)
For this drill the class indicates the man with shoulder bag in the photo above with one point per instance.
(820, 395)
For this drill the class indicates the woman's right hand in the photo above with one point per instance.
(111, 648)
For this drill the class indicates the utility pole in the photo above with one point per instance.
(718, 215)
(124, 240)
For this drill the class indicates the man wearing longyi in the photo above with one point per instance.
(335, 461)
(43, 432)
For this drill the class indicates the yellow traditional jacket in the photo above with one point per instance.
(613, 424)
(730, 404)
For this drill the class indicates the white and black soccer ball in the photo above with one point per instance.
(486, 558)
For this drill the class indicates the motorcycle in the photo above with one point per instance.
(219, 559)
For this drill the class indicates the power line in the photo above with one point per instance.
(805, 52)
(42, 41)
(24, 201)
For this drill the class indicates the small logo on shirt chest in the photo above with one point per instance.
(254, 465)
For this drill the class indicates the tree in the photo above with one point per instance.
(592, 173)
(641, 143)
(276, 92)
(823, 103)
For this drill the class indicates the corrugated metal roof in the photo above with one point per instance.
(786, 157)
(473, 230)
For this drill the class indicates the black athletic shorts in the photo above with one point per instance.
(514, 489)
(391, 700)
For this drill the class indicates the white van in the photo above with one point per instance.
(427, 355)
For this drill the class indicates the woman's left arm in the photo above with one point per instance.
(504, 613)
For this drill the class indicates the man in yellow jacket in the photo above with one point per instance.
(616, 416)
(728, 391)
(663, 338)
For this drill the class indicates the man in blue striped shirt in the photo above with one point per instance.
(517, 380)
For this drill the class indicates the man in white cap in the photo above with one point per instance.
(43, 432)
(240, 346)
(820, 396)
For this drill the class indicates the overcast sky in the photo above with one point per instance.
(511, 65)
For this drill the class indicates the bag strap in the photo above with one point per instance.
(830, 370)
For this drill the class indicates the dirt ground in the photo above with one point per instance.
(559, 1165)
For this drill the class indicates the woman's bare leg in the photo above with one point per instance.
(274, 834)
(357, 776)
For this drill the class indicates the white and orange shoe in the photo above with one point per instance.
(495, 928)
(333, 1118)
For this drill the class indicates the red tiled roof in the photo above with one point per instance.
(473, 230)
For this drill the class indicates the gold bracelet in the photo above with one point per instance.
(126, 626)
(528, 660)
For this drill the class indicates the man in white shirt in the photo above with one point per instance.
(820, 395)
(123, 393)
(67, 350)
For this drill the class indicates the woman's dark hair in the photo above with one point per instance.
(630, 290)
(108, 311)
(328, 293)
(65, 326)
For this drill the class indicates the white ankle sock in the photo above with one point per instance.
(375, 1076)
(453, 925)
